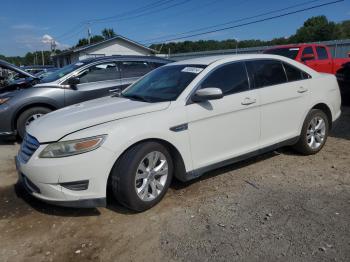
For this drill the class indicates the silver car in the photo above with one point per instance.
(81, 81)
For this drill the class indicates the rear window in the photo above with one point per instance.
(293, 73)
(266, 72)
(286, 52)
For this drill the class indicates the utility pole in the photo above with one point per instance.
(42, 57)
(89, 32)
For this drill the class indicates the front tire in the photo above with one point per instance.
(141, 177)
(29, 116)
(314, 133)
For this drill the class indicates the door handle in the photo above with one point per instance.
(302, 90)
(248, 101)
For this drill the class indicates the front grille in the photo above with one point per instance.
(29, 145)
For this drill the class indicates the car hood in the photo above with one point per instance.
(58, 124)
(6, 65)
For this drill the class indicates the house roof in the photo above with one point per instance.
(85, 47)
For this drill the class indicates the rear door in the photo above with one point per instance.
(133, 70)
(228, 127)
(324, 61)
(283, 96)
(96, 81)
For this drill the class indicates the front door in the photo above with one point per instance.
(96, 81)
(225, 128)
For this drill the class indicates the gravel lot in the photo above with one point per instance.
(277, 207)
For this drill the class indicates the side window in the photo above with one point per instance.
(231, 78)
(321, 53)
(305, 75)
(293, 73)
(100, 72)
(266, 72)
(308, 51)
(134, 68)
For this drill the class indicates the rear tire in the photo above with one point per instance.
(142, 175)
(314, 133)
(28, 116)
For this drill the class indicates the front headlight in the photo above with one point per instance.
(4, 100)
(73, 147)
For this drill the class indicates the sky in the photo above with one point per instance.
(26, 26)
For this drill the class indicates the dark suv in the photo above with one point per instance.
(81, 81)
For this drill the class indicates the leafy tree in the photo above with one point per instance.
(316, 28)
(108, 33)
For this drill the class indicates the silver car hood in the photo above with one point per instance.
(58, 124)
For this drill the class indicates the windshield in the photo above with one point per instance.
(163, 84)
(286, 52)
(61, 72)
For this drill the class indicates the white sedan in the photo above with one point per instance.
(180, 120)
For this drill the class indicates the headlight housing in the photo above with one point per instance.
(72, 147)
(4, 100)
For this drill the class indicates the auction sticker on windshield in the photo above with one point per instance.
(194, 70)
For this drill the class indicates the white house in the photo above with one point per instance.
(117, 45)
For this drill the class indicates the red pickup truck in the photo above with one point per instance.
(317, 57)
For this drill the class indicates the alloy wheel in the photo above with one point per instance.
(316, 133)
(151, 176)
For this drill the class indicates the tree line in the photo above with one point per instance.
(314, 29)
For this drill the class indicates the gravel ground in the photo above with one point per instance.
(277, 207)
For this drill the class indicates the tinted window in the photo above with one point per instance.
(100, 72)
(293, 73)
(305, 75)
(134, 68)
(321, 53)
(266, 72)
(308, 51)
(163, 84)
(61, 72)
(287, 52)
(230, 79)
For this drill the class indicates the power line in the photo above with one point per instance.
(253, 22)
(235, 21)
(140, 9)
(146, 13)
(120, 15)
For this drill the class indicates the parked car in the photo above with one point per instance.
(81, 81)
(319, 58)
(181, 120)
(13, 78)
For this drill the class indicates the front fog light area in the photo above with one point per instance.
(73, 147)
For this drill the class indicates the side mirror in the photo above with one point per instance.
(73, 81)
(307, 57)
(209, 93)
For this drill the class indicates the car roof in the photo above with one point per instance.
(207, 60)
(126, 57)
(293, 46)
